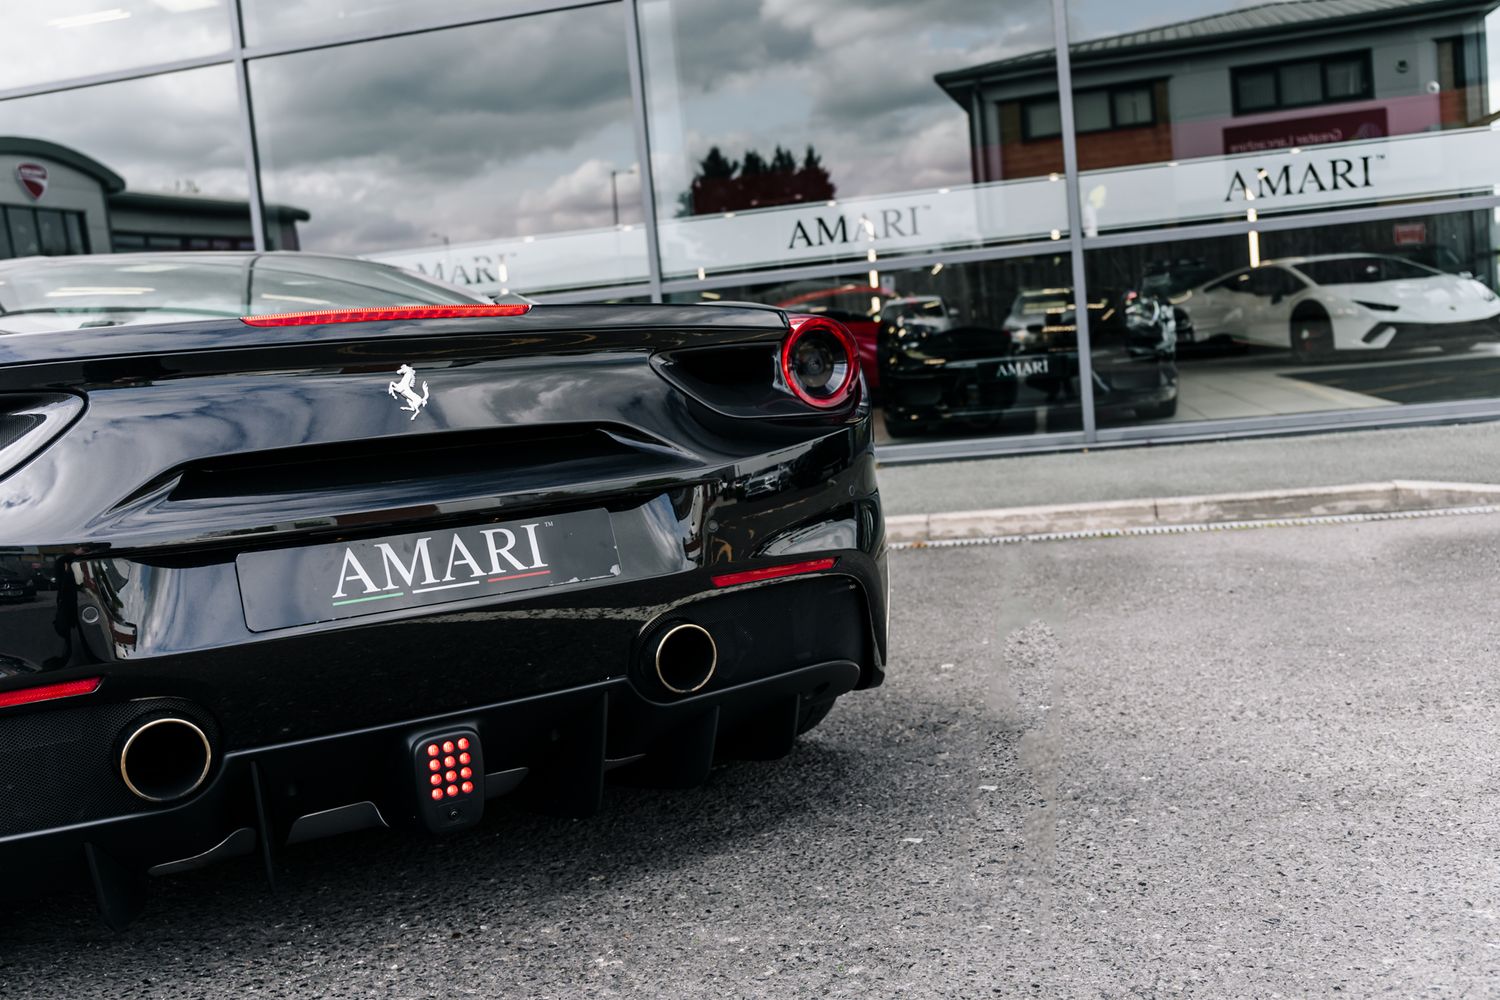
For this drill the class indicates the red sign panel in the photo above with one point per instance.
(33, 177)
(1405, 234)
(1347, 126)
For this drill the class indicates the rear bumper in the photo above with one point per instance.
(551, 751)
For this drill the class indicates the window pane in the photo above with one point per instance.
(1257, 89)
(792, 133)
(23, 234)
(1044, 118)
(77, 243)
(1301, 83)
(50, 232)
(1133, 107)
(1359, 316)
(56, 39)
(499, 174)
(1091, 110)
(1299, 107)
(962, 350)
(1346, 78)
(160, 155)
(289, 22)
(5, 247)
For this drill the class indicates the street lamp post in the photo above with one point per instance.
(614, 192)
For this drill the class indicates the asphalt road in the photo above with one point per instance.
(1237, 764)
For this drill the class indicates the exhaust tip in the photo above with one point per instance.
(165, 759)
(685, 658)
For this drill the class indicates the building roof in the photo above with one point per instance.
(183, 204)
(1267, 19)
(20, 145)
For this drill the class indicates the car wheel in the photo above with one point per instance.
(1157, 411)
(1312, 337)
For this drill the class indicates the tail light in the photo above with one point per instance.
(387, 314)
(29, 422)
(774, 572)
(820, 361)
(49, 692)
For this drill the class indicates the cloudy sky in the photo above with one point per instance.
(516, 127)
(852, 77)
(157, 132)
(46, 40)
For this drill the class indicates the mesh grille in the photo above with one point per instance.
(59, 766)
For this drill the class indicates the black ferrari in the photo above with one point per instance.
(337, 547)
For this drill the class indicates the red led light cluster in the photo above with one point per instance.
(387, 314)
(448, 761)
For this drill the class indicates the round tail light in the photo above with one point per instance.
(820, 361)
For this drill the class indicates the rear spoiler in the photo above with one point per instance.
(607, 327)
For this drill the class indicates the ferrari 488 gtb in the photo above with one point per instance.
(331, 547)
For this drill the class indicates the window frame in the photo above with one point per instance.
(1323, 62)
(1112, 91)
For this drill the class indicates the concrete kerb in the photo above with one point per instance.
(1114, 515)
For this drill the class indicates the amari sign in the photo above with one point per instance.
(1431, 164)
(1278, 178)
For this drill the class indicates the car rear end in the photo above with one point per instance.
(301, 593)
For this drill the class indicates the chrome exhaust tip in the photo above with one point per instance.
(685, 658)
(165, 759)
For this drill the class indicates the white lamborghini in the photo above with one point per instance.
(1345, 303)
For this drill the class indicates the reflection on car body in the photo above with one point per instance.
(1346, 303)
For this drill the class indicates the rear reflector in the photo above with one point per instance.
(49, 692)
(773, 572)
(387, 315)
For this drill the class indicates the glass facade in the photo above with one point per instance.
(1047, 222)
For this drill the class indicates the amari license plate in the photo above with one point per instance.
(287, 587)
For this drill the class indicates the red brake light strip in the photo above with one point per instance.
(386, 314)
(49, 692)
(773, 572)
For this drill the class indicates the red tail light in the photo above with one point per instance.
(387, 314)
(820, 361)
(773, 572)
(49, 692)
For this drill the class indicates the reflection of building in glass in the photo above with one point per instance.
(898, 164)
(1271, 76)
(59, 201)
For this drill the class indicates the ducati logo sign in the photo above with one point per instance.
(33, 177)
(404, 390)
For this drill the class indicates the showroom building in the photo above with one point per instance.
(1276, 215)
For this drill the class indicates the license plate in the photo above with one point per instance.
(287, 587)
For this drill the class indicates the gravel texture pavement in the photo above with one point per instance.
(1234, 764)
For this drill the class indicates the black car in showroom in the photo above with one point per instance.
(338, 547)
(17, 583)
(961, 376)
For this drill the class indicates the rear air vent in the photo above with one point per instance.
(28, 422)
(514, 459)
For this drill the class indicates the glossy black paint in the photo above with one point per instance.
(200, 442)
